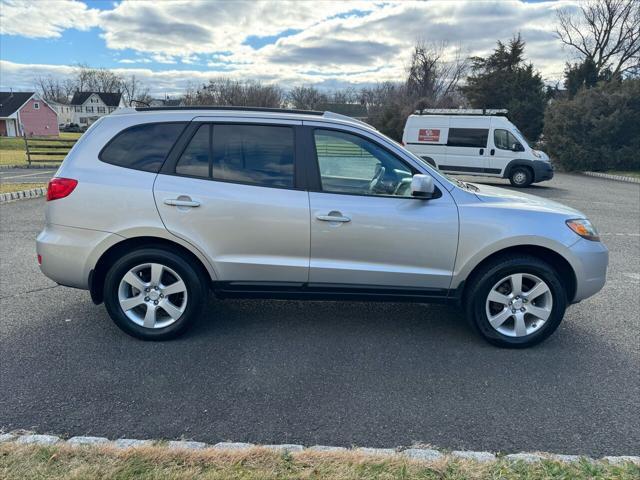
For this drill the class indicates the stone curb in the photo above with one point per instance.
(608, 176)
(23, 194)
(420, 454)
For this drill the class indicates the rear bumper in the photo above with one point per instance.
(68, 253)
(592, 259)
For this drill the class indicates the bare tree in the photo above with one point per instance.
(431, 79)
(306, 97)
(225, 91)
(53, 89)
(133, 89)
(89, 79)
(606, 32)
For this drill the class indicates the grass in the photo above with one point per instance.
(12, 151)
(157, 462)
(625, 173)
(16, 187)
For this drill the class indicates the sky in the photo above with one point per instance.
(171, 45)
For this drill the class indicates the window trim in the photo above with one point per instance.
(170, 164)
(315, 177)
(180, 135)
(184, 149)
(36, 105)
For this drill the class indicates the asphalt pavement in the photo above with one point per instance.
(337, 373)
(26, 175)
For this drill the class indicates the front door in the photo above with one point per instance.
(232, 193)
(504, 149)
(367, 229)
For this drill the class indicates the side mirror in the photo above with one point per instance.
(422, 186)
(516, 147)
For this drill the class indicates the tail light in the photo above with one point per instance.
(60, 188)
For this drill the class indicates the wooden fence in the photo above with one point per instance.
(39, 147)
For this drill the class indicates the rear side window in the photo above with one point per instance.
(143, 147)
(253, 154)
(468, 137)
(194, 161)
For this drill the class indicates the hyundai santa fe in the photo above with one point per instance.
(154, 207)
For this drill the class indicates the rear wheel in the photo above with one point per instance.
(521, 177)
(516, 301)
(153, 294)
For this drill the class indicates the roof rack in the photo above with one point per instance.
(462, 111)
(242, 109)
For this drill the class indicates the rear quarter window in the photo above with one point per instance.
(142, 147)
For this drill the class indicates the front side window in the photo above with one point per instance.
(468, 137)
(143, 147)
(351, 164)
(505, 140)
(194, 161)
(253, 154)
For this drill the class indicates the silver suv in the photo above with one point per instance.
(155, 206)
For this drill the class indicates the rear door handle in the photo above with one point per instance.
(336, 217)
(179, 202)
(492, 151)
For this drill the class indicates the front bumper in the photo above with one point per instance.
(542, 171)
(592, 259)
(68, 253)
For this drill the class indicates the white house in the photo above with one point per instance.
(65, 112)
(90, 106)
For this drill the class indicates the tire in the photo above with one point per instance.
(520, 177)
(183, 301)
(491, 279)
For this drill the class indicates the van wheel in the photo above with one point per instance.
(153, 294)
(521, 177)
(516, 301)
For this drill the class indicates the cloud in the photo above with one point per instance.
(324, 43)
(39, 19)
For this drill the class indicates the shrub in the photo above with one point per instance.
(597, 129)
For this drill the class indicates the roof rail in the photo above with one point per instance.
(462, 111)
(242, 109)
(339, 116)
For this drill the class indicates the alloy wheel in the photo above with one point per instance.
(519, 305)
(152, 295)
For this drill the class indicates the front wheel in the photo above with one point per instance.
(521, 177)
(153, 294)
(516, 301)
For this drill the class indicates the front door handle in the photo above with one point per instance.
(333, 217)
(181, 202)
(482, 151)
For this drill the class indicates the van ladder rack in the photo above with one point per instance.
(462, 111)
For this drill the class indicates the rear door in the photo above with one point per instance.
(231, 190)
(466, 147)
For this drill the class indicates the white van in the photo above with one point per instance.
(475, 142)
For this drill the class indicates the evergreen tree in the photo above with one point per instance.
(504, 80)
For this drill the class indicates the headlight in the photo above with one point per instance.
(583, 227)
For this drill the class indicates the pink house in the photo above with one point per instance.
(25, 113)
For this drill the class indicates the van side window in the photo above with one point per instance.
(143, 147)
(505, 140)
(468, 137)
(253, 154)
(194, 161)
